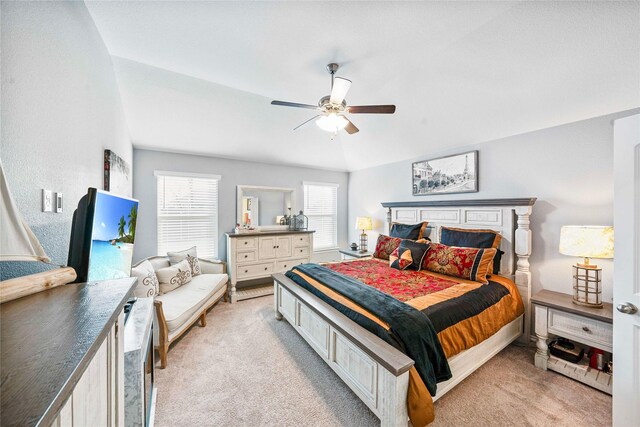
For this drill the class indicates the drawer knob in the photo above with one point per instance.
(245, 256)
(246, 271)
(586, 329)
(265, 269)
(245, 243)
(285, 266)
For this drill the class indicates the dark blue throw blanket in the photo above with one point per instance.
(411, 331)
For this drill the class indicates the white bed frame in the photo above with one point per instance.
(377, 372)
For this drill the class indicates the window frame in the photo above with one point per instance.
(335, 215)
(216, 227)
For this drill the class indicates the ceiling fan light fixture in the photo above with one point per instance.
(332, 122)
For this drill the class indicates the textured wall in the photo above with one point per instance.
(233, 172)
(60, 109)
(568, 168)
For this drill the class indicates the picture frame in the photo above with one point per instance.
(117, 174)
(454, 174)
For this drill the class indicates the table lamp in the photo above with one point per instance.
(363, 223)
(587, 241)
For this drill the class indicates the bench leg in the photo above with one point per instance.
(163, 349)
(203, 319)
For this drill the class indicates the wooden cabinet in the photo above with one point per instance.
(557, 316)
(98, 397)
(259, 255)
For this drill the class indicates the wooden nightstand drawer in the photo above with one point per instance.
(591, 331)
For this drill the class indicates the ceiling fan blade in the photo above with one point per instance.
(304, 123)
(339, 91)
(372, 109)
(350, 127)
(294, 104)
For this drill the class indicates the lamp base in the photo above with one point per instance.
(587, 282)
(363, 242)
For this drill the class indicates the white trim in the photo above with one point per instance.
(187, 174)
(265, 188)
(324, 184)
(319, 251)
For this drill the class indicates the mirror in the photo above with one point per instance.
(262, 207)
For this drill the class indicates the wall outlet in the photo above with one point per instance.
(47, 200)
(59, 202)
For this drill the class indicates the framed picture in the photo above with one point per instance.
(117, 179)
(446, 175)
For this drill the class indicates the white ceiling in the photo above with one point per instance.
(198, 76)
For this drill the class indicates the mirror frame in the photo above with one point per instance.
(288, 192)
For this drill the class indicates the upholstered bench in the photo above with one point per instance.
(177, 310)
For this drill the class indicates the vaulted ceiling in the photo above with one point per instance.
(198, 77)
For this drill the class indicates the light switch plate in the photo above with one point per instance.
(47, 200)
(58, 202)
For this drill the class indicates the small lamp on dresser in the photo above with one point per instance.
(363, 223)
(587, 241)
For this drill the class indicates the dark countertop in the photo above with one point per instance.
(47, 341)
(565, 303)
(268, 233)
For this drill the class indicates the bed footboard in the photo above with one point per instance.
(376, 372)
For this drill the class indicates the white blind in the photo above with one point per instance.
(187, 213)
(321, 207)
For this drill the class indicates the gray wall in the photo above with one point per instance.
(568, 168)
(233, 172)
(60, 109)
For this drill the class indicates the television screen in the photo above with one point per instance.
(102, 236)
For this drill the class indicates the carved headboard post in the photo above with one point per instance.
(389, 220)
(523, 274)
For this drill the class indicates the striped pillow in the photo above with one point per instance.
(466, 263)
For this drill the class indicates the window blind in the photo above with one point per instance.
(321, 207)
(187, 213)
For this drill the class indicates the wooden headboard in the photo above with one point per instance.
(509, 217)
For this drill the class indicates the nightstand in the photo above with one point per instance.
(557, 315)
(348, 253)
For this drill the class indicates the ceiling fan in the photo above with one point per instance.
(333, 107)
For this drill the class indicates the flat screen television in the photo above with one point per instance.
(102, 236)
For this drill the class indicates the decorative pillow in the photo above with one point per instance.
(147, 280)
(408, 231)
(466, 263)
(173, 277)
(471, 238)
(395, 261)
(409, 254)
(385, 246)
(190, 255)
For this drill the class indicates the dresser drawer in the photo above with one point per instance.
(246, 243)
(301, 252)
(288, 265)
(595, 332)
(247, 256)
(301, 240)
(254, 270)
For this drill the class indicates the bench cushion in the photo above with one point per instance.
(179, 305)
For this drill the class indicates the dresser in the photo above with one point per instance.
(557, 316)
(259, 255)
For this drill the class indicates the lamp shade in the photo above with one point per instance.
(588, 241)
(363, 223)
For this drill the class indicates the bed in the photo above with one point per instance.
(377, 372)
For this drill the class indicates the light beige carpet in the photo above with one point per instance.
(248, 369)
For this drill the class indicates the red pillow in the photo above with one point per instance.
(385, 246)
(466, 263)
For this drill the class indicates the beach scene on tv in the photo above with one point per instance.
(113, 236)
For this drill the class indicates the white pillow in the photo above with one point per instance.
(190, 255)
(173, 277)
(147, 280)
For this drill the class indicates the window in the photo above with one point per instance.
(321, 207)
(187, 213)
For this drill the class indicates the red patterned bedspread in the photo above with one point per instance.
(404, 285)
